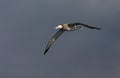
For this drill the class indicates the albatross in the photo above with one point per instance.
(66, 27)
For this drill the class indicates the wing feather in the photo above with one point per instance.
(85, 25)
(53, 39)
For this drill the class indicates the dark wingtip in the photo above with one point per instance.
(98, 28)
(45, 51)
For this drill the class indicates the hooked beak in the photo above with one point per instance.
(59, 27)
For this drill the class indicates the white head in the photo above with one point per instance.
(59, 27)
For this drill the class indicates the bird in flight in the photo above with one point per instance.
(66, 27)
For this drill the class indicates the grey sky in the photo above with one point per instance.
(27, 25)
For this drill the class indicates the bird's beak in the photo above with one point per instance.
(57, 27)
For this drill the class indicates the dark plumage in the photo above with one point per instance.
(66, 27)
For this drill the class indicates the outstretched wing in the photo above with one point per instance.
(53, 39)
(85, 25)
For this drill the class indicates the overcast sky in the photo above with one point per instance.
(27, 25)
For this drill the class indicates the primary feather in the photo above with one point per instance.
(52, 40)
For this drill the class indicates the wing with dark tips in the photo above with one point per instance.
(52, 40)
(85, 25)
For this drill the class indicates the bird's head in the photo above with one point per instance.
(59, 27)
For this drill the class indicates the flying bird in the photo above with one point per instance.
(66, 27)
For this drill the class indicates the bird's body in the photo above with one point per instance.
(66, 27)
(70, 27)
